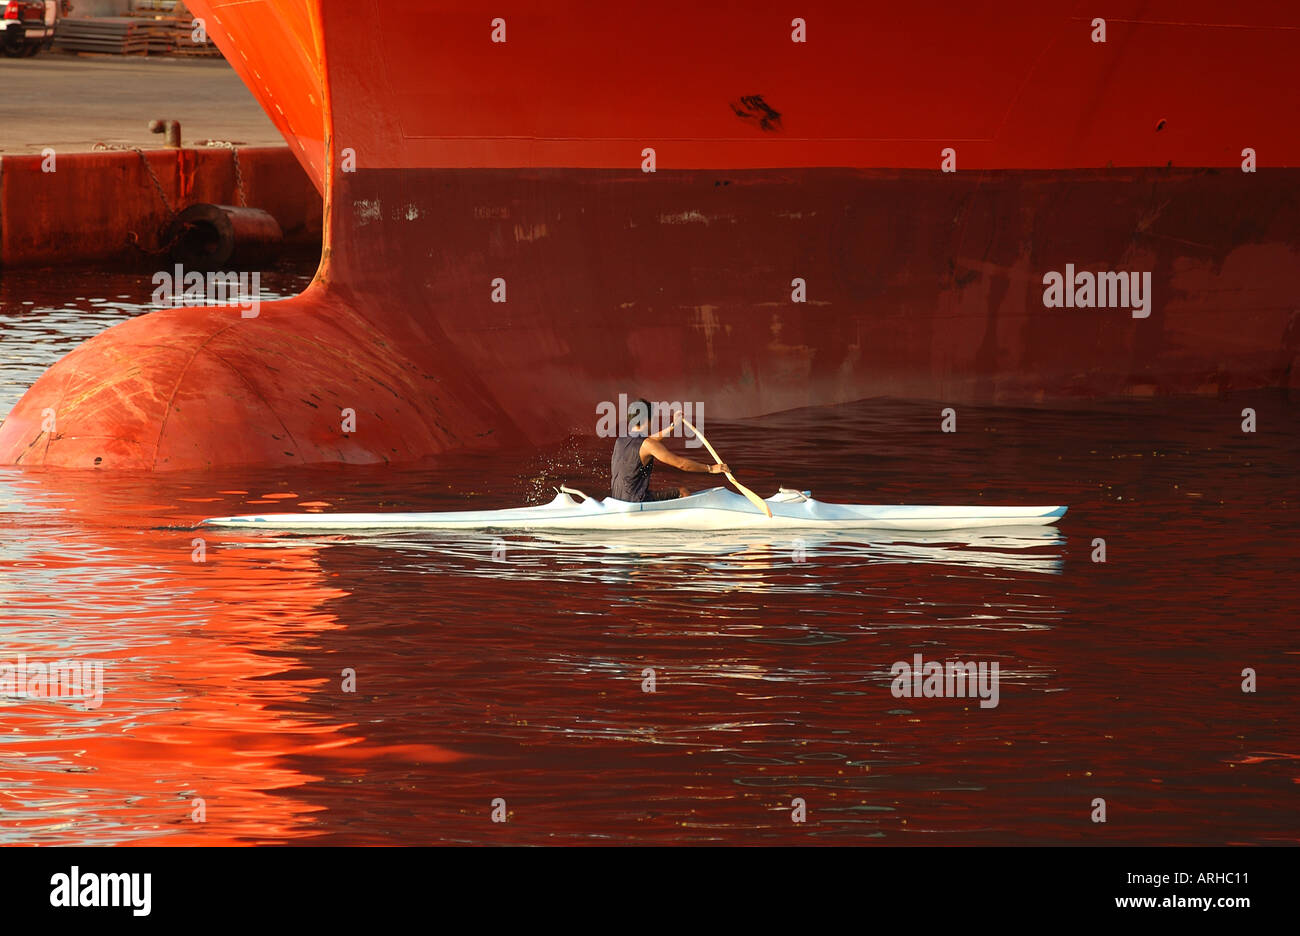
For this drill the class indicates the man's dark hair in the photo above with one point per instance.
(639, 411)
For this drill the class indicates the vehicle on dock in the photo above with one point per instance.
(29, 26)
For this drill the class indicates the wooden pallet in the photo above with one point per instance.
(119, 35)
(132, 35)
(182, 36)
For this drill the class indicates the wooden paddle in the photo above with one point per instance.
(753, 498)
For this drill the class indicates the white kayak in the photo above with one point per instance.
(715, 509)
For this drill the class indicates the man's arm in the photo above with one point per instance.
(653, 446)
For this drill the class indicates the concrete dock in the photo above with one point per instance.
(71, 102)
(99, 200)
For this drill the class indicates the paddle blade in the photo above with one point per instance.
(753, 498)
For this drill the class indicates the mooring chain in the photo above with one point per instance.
(101, 145)
(156, 184)
(239, 175)
(132, 237)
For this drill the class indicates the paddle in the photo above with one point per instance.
(753, 498)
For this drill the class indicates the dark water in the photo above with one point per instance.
(484, 672)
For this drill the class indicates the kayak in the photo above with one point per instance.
(715, 509)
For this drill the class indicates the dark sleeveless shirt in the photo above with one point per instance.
(629, 479)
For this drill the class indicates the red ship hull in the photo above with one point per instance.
(522, 162)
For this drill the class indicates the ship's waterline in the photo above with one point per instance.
(491, 340)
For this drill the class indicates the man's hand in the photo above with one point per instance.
(668, 429)
(719, 469)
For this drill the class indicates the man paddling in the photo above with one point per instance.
(635, 455)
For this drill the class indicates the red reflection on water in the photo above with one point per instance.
(202, 700)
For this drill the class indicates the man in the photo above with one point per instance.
(635, 455)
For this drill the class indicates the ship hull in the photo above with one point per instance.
(759, 291)
(500, 260)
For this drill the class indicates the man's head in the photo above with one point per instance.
(638, 416)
